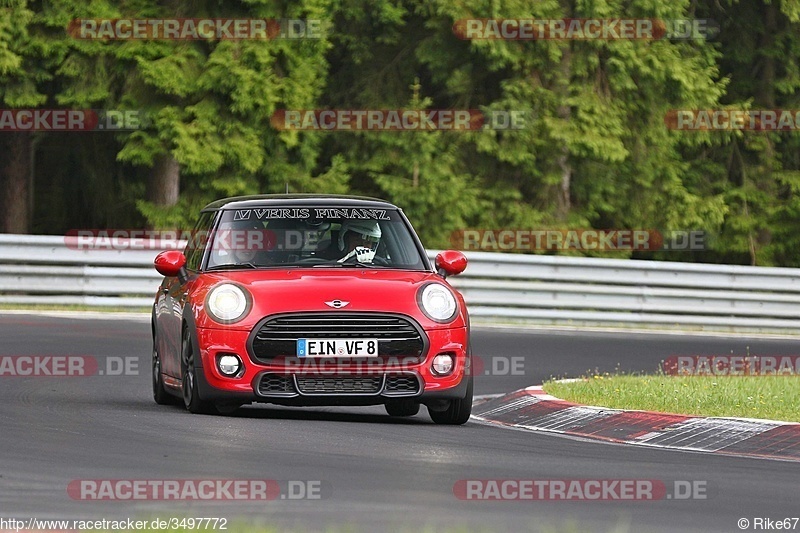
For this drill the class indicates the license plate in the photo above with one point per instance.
(337, 347)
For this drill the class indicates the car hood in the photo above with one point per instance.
(308, 289)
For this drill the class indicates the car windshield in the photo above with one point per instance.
(312, 237)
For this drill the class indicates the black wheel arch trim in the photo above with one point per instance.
(189, 323)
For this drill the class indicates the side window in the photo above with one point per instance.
(200, 235)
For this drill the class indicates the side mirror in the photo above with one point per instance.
(450, 263)
(172, 264)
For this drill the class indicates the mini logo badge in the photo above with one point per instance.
(337, 304)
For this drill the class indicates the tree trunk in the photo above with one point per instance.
(764, 99)
(15, 175)
(564, 113)
(164, 184)
(564, 203)
(765, 93)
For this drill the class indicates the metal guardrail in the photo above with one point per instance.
(511, 287)
(39, 269)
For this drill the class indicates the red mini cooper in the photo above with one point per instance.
(310, 300)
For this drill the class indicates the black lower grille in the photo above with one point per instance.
(339, 384)
(401, 384)
(276, 384)
(398, 336)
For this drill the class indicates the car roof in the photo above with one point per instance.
(299, 200)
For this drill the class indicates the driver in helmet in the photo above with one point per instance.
(359, 239)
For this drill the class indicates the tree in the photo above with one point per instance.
(761, 46)
(20, 77)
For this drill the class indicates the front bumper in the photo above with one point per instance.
(330, 381)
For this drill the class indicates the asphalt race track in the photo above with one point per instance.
(376, 473)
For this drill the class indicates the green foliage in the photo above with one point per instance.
(594, 150)
(180, 216)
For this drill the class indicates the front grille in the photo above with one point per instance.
(397, 336)
(289, 385)
(271, 384)
(339, 384)
(401, 384)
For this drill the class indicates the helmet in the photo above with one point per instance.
(368, 229)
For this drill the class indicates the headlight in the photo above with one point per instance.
(227, 303)
(437, 302)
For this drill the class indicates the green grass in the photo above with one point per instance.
(771, 397)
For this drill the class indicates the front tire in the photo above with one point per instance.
(160, 394)
(458, 412)
(191, 396)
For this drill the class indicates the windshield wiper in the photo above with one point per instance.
(233, 266)
(358, 264)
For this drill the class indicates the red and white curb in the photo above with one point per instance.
(534, 410)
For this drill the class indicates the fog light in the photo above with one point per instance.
(442, 364)
(229, 365)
